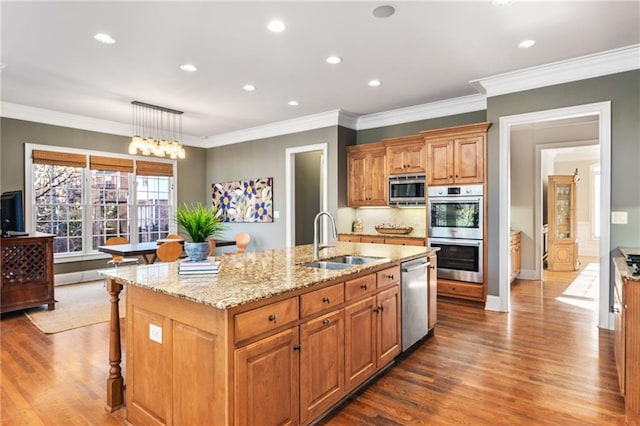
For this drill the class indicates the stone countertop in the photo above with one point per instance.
(378, 234)
(621, 263)
(248, 277)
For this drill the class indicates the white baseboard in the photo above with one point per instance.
(77, 277)
(527, 274)
(492, 304)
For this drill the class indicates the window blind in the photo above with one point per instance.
(151, 168)
(111, 164)
(59, 158)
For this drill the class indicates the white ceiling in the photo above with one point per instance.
(424, 53)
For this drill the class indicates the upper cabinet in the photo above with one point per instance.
(367, 178)
(406, 155)
(456, 155)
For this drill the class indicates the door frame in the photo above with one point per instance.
(603, 110)
(290, 187)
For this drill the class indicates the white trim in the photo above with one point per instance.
(423, 112)
(78, 277)
(527, 274)
(76, 121)
(493, 304)
(295, 125)
(290, 185)
(589, 66)
(603, 110)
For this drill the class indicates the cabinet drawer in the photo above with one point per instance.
(349, 238)
(463, 290)
(321, 300)
(258, 321)
(359, 287)
(399, 241)
(388, 276)
(372, 239)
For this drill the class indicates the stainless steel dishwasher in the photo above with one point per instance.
(415, 301)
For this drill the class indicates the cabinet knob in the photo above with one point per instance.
(376, 309)
(450, 176)
(273, 318)
(296, 347)
(326, 299)
(326, 321)
(390, 277)
(363, 286)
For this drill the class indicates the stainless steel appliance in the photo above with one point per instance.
(459, 259)
(456, 226)
(415, 301)
(407, 190)
(456, 211)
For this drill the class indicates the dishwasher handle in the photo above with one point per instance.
(422, 265)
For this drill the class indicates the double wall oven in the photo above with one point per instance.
(456, 226)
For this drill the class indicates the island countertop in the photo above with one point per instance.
(249, 277)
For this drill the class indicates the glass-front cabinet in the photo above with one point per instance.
(563, 242)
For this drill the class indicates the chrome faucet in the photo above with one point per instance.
(317, 247)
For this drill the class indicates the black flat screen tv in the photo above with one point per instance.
(11, 212)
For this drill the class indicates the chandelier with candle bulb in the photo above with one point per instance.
(156, 131)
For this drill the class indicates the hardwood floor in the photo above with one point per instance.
(545, 363)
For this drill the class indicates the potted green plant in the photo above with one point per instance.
(198, 222)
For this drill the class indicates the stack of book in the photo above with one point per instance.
(188, 267)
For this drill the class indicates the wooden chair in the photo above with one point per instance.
(169, 252)
(174, 237)
(212, 244)
(117, 260)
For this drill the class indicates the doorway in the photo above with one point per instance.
(306, 191)
(603, 112)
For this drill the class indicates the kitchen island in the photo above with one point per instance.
(266, 341)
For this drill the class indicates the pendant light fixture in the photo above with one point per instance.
(156, 131)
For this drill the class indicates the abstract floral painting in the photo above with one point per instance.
(248, 200)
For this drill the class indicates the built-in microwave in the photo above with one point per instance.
(407, 190)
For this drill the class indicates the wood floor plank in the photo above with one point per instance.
(545, 363)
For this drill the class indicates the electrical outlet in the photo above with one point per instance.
(155, 333)
(619, 218)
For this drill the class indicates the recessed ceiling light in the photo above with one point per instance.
(293, 103)
(501, 2)
(375, 83)
(334, 60)
(188, 68)
(526, 44)
(276, 26)
(383, 11)
(104, 38)
(249, 87)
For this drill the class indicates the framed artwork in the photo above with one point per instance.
(249, 200)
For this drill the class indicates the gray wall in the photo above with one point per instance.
(266, 158)
(622, 90)
(14, 134)
(308, 192)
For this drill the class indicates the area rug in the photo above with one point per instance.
(78, 305)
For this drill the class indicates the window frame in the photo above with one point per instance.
(88, 253)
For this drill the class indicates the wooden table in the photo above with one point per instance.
(145, 250)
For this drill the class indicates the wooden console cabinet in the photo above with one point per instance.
(27, 272)
(561, 214)
(514, 249)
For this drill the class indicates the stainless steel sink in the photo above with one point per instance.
(327, 265)
(343, 262)
(354, 260)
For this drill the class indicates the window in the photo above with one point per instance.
(83, 199)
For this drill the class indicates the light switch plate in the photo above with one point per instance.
(155, 333)
(276, 214)
(619, 218)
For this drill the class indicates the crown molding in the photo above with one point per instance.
(74, 121)
(423, 112)
(589, 66)
(294, 125)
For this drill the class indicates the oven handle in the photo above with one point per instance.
(471, 243)
(453, 199)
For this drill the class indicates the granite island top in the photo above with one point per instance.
(621, 264)
(252, 276)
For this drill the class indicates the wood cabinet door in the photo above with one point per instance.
(357, 168)
(266, 381)
(321, 364)
(619, 333)
(395, 161)
(432, 280)
(468, 166)
(360, 337)
(407, 158)
(389, 335)
(376, 179)
(440, 162)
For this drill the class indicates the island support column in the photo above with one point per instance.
(115, 382)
